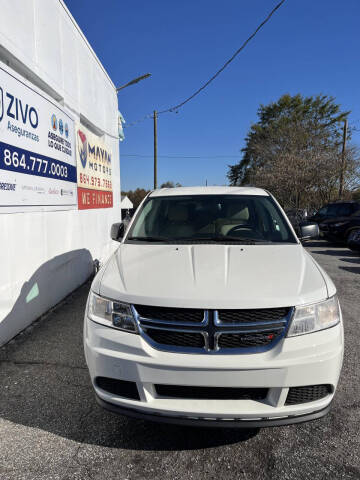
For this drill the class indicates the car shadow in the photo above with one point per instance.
(336, 253)
(351, 269)
(67, 408)
(351, 260)
(317, 243)
(45, 385)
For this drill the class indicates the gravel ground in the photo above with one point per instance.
(51, 428)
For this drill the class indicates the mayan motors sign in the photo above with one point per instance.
(94, 171)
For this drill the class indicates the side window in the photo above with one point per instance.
(277, 225)
(142, 221)
(264, 219)
(344, 210)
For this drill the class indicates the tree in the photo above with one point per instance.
(136, 196)
(294, 151)
(170, 184)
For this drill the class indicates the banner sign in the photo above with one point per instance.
(93, 170)
(37, 157)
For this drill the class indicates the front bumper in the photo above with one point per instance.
(311, 359)
(333, 234)
(211, 422)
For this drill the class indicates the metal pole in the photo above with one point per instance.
(132, 82)
(155, 149)
(343, 160)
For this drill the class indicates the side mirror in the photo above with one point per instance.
(308, 231)
(117, 231)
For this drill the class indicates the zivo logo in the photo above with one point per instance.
(17, 110)
(1, 104)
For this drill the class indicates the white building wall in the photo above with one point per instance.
(46, 254)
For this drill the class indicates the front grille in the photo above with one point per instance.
(307, 394)
(121, 388)
(246, 340)
(252, 315)
(212, 331)
(170, 314)
(211, 393)
(176, 338)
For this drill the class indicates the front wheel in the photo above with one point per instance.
(353, 240)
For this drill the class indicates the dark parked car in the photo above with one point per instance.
(354, 240)
(296, 215)
(304, 229)
(334, 210)
(340, 229)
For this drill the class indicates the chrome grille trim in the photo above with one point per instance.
(169, 310)
(153, 321)
(211, 328)
(220, 323)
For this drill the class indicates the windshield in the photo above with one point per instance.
(356, 214)
(210, 218)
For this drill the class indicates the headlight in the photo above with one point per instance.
(113, 314)
(339, 224)
(315, 317)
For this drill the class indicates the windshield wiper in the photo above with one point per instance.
(214, 238)
(149, 239)
(224, 238)
(245, 239)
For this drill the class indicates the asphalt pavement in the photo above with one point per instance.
(51, 427)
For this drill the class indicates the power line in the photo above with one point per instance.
(352, 123)
(137, 121)
(179, 156)
(176, 107)
(354, 129)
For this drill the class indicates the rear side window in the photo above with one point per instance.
(338, 209)
(344, 210)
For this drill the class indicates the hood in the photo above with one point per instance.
(212, 276)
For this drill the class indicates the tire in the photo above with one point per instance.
(353, 245)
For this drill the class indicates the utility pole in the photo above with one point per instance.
(343, 160)
(155, 149)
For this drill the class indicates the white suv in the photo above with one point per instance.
(211, 312)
